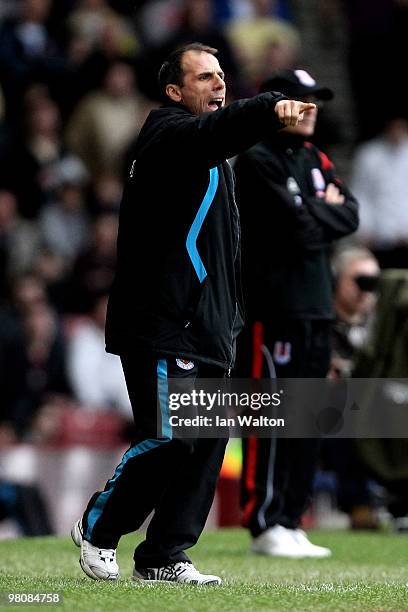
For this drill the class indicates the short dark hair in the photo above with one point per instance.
(171, 70)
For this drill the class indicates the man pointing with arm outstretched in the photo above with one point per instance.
(175, 310)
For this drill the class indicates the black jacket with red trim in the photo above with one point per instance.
(177, 289)
(288, 229)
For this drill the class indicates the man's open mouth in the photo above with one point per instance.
(215, 103)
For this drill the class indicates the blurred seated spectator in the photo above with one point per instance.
(379, 176)
(45, 355)
(33, 340)
(90, 18)
(254, 38)
(356, 273)
(158, 19)
(105, 122)
(106, 193)
(89, 64)
(94, 269)
(64, 222)
(19, 241)
(26, 293)
(30, 167)
(197, 23)
(53, 270)
(14, 411)
(278, 54)
(28, 53)
(96, 377)
(385, 358)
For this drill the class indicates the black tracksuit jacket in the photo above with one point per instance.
(288, 229)
(177, 289)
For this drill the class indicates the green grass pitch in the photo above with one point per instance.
(367, 572)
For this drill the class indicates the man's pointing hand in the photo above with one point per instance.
(290, 112)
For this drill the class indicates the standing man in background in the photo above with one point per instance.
(293, 207)
(175, 310)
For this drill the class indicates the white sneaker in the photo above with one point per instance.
(181, 572)
(277, 541)
(97, 563)
(309, 549)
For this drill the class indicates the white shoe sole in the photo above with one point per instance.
(174, 582)
(320, 555)
(274, 553)
(77, 534)
(143, 580)
(293, 555)
(88, 571)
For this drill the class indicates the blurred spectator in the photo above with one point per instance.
(379, 176)
(356, 272)
(94, 269)
(52, 270)
(45, 353)
(105, 121)
(19, 241)
(91, 18)
(30, 168)
(33, 342)
(13, 405)
(106, 193)
(27, 292)
(261, 39)
(158, 19)
(97, 36)
(277, 55)
(28, 54)
(197, 24)
(384, 356)
(243, 9)
(96, 377)
(64, 222)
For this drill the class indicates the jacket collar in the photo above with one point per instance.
(170, 104)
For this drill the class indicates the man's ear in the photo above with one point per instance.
(174, 92)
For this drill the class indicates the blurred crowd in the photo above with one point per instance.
(77, 79)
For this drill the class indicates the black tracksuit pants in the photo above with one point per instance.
(174, 478)
(278, 473)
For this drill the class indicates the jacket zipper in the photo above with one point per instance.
(232, 339)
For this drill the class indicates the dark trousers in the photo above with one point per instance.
(174, 478)
(278, 473)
